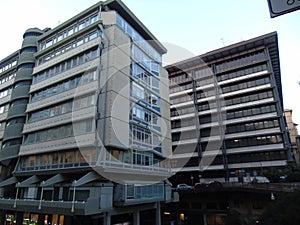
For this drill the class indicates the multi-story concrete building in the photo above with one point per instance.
(293, 133)
(82, 109)
(227, 112)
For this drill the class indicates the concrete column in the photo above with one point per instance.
(19, 218)
(68, 220)
(2, 217)
(107, 219)
(136, 218)
(158, 214)
(204, 219)
(49, 218)
(41, 219)
(178, 219)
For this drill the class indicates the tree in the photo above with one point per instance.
(272, 174)
(291, 173)
(284, 210)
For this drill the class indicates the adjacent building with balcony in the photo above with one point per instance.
(293, 134)
(84, 123)
(227, 113)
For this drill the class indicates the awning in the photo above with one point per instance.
(9, 181)
(31, 180)
(89, 177)
(53, 180)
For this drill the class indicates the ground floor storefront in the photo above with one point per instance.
(135, 217)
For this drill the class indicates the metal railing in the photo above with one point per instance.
(149, 168)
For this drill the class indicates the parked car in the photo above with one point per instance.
(260, 179)
(200, 187)
(183, 187)
(215, 185)
(211, 185)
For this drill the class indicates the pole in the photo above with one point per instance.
(197, 123)
(42, 193)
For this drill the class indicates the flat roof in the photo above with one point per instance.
(10, 57)
(124, 11)
(270, 41)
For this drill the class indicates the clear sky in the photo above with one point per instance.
(196, 26)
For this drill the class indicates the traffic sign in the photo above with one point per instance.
(280, 7)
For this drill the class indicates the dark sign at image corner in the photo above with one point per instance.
(280, 7)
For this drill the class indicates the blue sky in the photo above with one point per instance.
(194, 26)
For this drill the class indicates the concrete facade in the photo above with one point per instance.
(227, 113)
(293, 133)
(84, 123)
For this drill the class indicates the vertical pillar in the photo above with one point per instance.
(68, 220)
(2, 217)
(204, 219)
(136, 218)
(178, 218)
(107, 219)
(158, 214)
(50, 218)
(19, 218)
(41, 219)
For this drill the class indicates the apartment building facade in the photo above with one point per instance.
(82, 118)
(293, 133)
(227, 113)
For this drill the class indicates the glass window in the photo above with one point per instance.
(93, 35)
(48, 44)
(69, 157)
(80, 42)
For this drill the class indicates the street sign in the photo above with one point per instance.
(280, 7)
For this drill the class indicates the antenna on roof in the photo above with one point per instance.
(222, 39)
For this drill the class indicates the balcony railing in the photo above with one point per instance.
(134, 167)
(91, 206)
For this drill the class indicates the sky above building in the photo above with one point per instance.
(187, 28)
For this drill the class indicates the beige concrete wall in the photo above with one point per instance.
(291, 125)
(108, 17)
(114, 102)
(165, 113)
(115, 82)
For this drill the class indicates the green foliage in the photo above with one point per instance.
(272, 174)
(283, 211)
(291, 173)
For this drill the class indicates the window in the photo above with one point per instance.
(66, 65)
(5, 92)
(58, 88)
(254, 111)
(4, 108)
(31, 161)
(12, 143)
(60, 132)
(7, 78)
(137, 39)
(143, 59)
(15, 121)
(28, 49)
(2, 125)
(70, 31)
(254, 141)
(244, 85)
